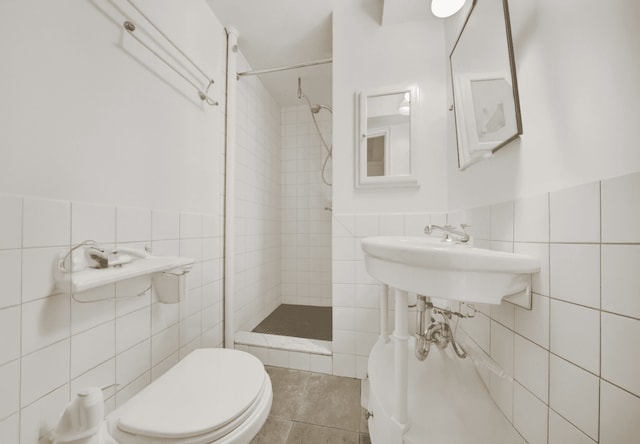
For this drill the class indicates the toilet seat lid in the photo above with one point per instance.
(205, 391)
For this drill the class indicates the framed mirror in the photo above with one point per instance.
(485, 90)
(386, 138)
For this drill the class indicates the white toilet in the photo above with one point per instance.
(213, 395)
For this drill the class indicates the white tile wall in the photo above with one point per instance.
(53, 345)
(576, 358)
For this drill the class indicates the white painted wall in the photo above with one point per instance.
(87, 114)
(578, 69)
(368, 56)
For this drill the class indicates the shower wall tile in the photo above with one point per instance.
(575, 214)
(46, 223)
(10, 221)
(621, 209)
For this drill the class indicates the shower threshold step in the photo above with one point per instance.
(289, 343)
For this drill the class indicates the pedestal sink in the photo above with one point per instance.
(441, 399)
(447, 270)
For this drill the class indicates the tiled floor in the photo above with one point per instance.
(313, 408)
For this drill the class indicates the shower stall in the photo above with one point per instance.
(278, 215)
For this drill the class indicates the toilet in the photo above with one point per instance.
(213, 395)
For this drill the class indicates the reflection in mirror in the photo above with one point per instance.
(385, 148)
(487, 111)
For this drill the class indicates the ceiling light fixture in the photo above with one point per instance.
(446, 8)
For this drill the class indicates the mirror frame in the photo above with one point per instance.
(361, 135)
(464, 158)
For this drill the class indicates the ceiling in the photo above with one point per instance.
(276, 33)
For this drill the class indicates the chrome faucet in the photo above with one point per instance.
(450, 234)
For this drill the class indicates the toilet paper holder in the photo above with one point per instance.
(171, 285)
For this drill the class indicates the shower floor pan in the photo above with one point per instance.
(300, 321)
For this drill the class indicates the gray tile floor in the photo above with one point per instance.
(312, 408)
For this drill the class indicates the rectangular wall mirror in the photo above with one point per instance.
(387, 125)
(485, 91)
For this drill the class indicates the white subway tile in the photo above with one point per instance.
(133, 363)
(47, 223)
(479, 221)
(278, 358)
(529, 416)
(133, 388)
(575, 274)
(562, 431)
(344, 248)
(299, 361)
(531, 367)
(165, 225)
(44, 322)
(88, 315)
(367, 225)
(133, 224)
(34, 382)
(104, 375)
(367, 320)
(531, 219)
(344, 225)
(575, 214)
(10, 276)
(620, 352)
(502, 346)
(367, 295)
(9, 388)
(191, 248)
(574, 393)
(38, 266)
(621, 209)
(575, 334)
(534, 324)
(10, 221)
(414, 224)
(320, 364)
(10, 429)
(344, 272)
(619, 413)
(92, 347)
(93, 222)
(210, 225)
(502, 222)
(504, 314)
(344, 295)
(42, 416)
(620, 279)
(10, 334)
(190, 225)
(344, 318)
(344, 365)
(166, 247)
(540, 280)
(501, 390)
(132, 328)
(391, 224)
(344, 341)
(479, 329)
(164, 344)
(365, 342)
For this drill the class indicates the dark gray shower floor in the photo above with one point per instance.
(300, 321)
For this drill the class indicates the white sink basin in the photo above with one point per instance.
(431, 267)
